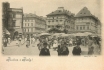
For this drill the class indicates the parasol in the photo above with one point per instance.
(44, 34)
(80, 34)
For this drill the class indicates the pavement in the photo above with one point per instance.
(14, 49)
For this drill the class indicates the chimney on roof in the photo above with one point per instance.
(60, 8)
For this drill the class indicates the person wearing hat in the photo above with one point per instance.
(91, 51)
(63, 50)
(76, 50)
(44, 51)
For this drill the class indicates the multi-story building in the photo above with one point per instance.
(15, 21)
(85, 21)
(62, 18)
(33, 24)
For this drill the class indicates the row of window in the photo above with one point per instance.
(77, 27)
(32, 30)
(85, 20)
(28, 24)
(68, 27)
(55, 21)
(59, 21)
(31, 25)
(57, 17)
(82, 27)
(29, 30)
(51, 26)
(28, 20)
(54, 17)
(16, 15)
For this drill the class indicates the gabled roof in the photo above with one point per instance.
(61, 12)
(85, 13)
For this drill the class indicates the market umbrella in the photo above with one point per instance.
(80, 34)
(58, 34)
(71, 34)
(44, 34)
(93, 35)
(64, 35)
(87, 33)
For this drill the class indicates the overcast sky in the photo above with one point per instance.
(44, 7)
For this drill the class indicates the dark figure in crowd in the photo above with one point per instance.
(40, 45)
(28, 42)
(5, 41)
(63, 50)
(44, 51)
(76, 50)
(58, 49)
(97, 39)
(91, 51)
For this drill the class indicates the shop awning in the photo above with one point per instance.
(7, 32)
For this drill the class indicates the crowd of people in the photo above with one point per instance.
(60, 44)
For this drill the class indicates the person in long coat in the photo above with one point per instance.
(5, 42)
(96, 49)
(63, 50)
(90, 43)
(76, 50)
(44, 51)
(91, 51)
(28, 42)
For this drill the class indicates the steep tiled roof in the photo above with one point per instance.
(85, 13)
(62, 12)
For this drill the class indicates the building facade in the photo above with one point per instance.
(15, 21)
(85, 21)
(33, 24)
(62, 18)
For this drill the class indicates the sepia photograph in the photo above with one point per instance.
(52, 28)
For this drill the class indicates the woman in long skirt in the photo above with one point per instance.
(55, 44)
